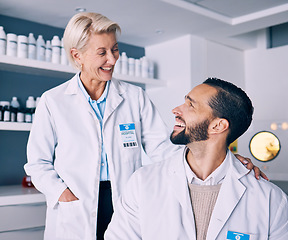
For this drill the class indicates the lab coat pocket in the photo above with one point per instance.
(70, 220)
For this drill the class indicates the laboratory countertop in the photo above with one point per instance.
(17, 195)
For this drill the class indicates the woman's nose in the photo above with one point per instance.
(111, 59)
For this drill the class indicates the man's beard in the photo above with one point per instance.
(196, 133)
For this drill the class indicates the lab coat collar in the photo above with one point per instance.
(73, 87)
(178, 182)
(216, 177)
(114, 98)
(230, 194)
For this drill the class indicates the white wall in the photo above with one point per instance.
(267, 85)
(173, 60)
(262, 73)
(226, 63)
(182, 63)
(186, 62)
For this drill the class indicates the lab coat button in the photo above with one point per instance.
(94, 214)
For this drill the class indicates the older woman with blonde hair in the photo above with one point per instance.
(87, 135)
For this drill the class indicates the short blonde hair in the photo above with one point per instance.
(79, 29)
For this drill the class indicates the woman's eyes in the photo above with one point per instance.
(104, 52)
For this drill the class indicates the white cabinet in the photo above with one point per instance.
(22, 212)
(23, 234)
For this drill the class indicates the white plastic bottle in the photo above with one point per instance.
(40, 48)
(151, 70)
(31, 46)
(11, 46)
(2, 41)
(14, 108)
(137, 68)
(124, 63)
(48, 51)
(6, 111)
(21, 115)
(131, 66)
(22, 46)
(144, 67)
(64, 59)
(56, 45)
(30, 109)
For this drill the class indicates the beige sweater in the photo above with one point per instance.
(203, 200)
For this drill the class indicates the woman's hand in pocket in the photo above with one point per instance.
(67, 196)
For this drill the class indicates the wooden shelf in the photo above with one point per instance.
(15, 126)
(35, 67)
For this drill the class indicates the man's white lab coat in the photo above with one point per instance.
(156, 205)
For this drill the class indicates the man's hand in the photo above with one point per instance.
(67, 196)
(249, 165)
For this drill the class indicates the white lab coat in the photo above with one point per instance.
(156, 205)
(64, 150)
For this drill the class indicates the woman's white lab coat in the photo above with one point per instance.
(64, 150)
(156, 205)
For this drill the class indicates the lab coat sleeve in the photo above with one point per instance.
(125, 223)
(40, 154)
(155, 136)
(279, 220)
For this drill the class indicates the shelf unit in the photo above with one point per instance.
(35, 67)
(15, 126)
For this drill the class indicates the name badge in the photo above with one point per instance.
(237, 236)
(128, 135)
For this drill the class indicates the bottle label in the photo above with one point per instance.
(11, 48)
(28, 118)
(20, 117)
(6, 116)
(13, 117)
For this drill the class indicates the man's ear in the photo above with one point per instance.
(218, 125)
